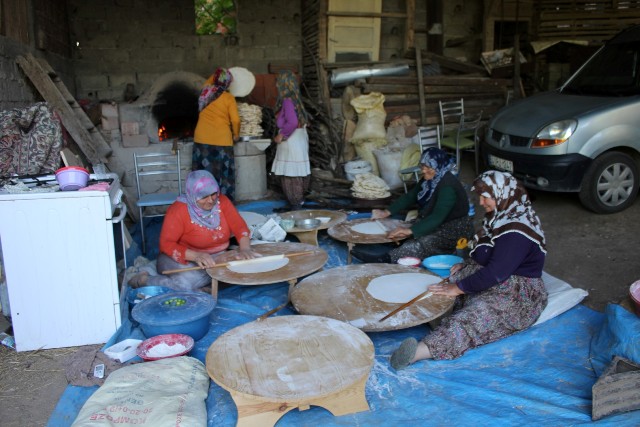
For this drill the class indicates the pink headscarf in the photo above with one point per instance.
(201, 184)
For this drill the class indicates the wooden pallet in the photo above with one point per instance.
(75, 121)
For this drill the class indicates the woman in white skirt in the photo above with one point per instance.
(292, 156)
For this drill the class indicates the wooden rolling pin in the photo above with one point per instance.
(224, 264)
(408, 303)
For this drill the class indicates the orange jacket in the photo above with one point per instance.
(219, 122)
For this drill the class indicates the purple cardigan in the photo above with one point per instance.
(512, 254)
(287, 119)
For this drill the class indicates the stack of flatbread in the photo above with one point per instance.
(369, 186)
(250, 119)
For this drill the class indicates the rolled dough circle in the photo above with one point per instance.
(368, 228)
(401, 287)
(257, 265)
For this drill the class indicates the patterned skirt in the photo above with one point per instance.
(487, 316)
(219, 161)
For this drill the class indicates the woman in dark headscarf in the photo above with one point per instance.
(500, 287)
(292, 156)
(196, 229)
(217, 129)
(443, 212)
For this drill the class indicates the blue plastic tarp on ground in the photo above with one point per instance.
(542, 376)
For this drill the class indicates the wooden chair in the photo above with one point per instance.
(155, 164)
(428, 136)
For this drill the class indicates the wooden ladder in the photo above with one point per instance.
(76, 122)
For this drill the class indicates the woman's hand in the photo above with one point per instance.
(204, 260)
(278, 138)
(399, 233)
(448, 289)
(455, 268)
(380, 213)
(246, 254)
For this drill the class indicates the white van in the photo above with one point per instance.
(583, 137)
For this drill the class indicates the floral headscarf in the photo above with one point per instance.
(222, 78)
(287, 86)
(513, 213)
(442, 163)
(201, 184)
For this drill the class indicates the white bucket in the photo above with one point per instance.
(356, 167)
(389, 165)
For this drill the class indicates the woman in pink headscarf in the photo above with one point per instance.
(196, 229)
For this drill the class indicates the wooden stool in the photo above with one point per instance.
(281, 363)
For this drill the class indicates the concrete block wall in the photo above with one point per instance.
(134, 42)
(16, 90)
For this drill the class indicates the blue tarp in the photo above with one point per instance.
(542, 376)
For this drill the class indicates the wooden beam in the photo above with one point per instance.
(420, 72)
(95, 153)
(367, 14)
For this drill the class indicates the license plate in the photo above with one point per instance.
(502, 164)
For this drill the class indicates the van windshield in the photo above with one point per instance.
(612, 71)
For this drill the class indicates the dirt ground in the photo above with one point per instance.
(593, 252)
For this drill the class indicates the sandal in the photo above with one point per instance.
(139, 280)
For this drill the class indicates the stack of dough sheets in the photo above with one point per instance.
(250, 119)
(369, 186)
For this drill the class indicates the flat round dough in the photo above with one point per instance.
(257, 265)
(368, 228)
(401, 287)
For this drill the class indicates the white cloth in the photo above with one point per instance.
(292, 155)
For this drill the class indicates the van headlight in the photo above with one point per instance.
(554, 134)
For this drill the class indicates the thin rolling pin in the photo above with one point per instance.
(224, 264)
(408, 303)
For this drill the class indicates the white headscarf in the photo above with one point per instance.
(513, 213)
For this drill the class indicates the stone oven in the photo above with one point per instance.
(167, 110)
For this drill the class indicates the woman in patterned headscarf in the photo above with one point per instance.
(500, 287)
(292, 155)
(443, 207)
(217, 129)
(196, 229)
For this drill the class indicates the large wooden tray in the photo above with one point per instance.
(341, 294)
(345, 233)
(273, 366)
(297, 267)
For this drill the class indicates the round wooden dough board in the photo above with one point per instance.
(290, 358)
(297, 267)
(341, 294)
(345, 232)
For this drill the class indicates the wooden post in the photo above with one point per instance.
(420, 73)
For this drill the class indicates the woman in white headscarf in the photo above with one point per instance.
(500, 287)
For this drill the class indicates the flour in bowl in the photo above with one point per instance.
(164, 350)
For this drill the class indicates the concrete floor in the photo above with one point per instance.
(593, 252)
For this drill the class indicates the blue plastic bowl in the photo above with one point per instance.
(147, 291)
(441, 264)
(175, 313)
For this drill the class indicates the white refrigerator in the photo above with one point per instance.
(59, 260)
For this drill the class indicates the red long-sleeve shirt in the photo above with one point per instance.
(179, 233)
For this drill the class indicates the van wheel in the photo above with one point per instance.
(610, 184)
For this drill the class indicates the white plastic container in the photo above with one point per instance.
(356, 167)
(124, 350)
